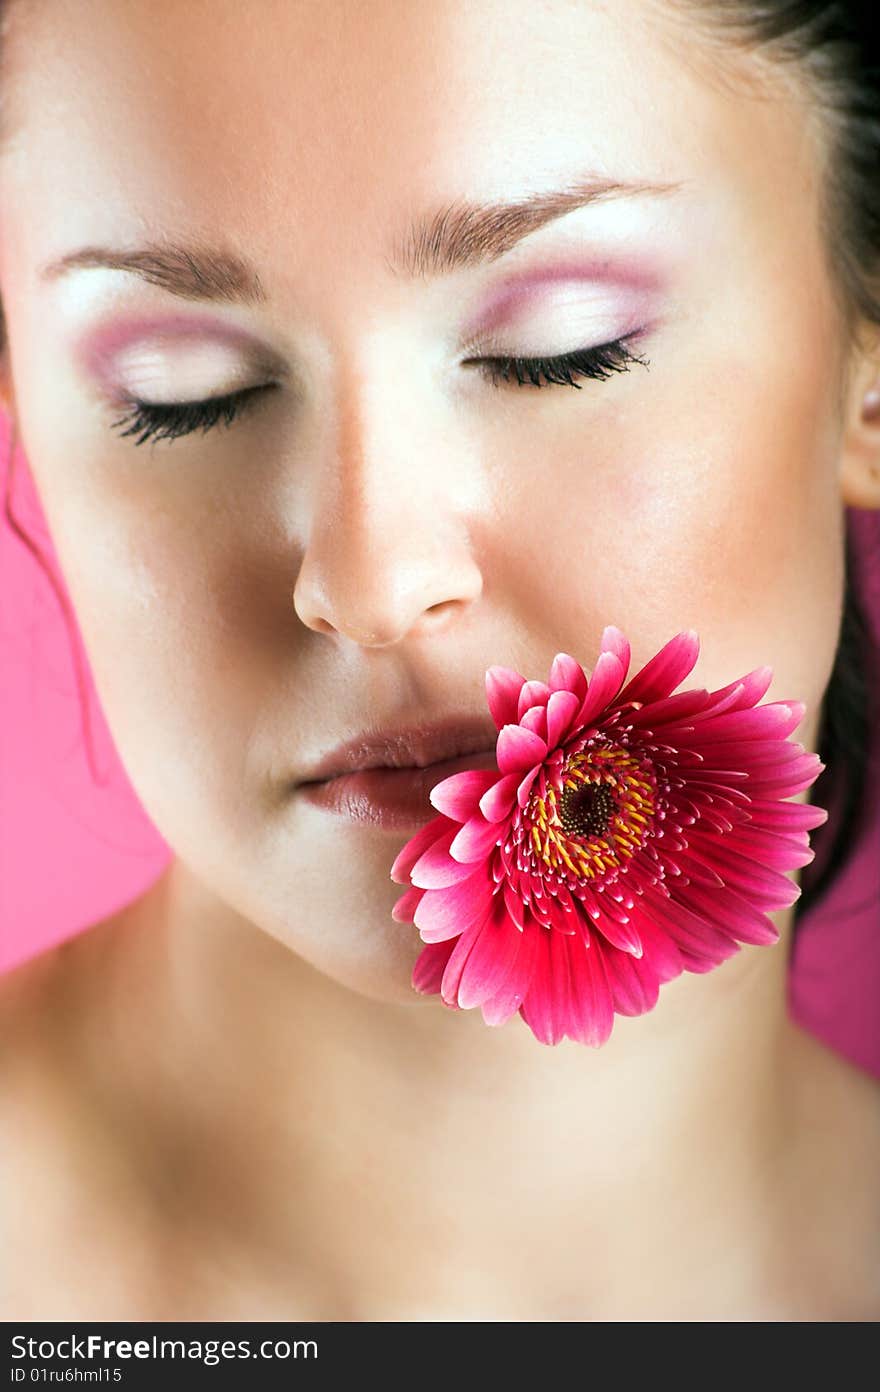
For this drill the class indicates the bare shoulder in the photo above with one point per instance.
(839, 1203)
(79, 1234)
(25, 993)
(19, 990)
(833, 1082)
(47, 1007)
(58, 1016)
(41, 995)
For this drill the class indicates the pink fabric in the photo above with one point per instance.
(72, 852)
(834, 984)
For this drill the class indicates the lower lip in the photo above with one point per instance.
(396, 799)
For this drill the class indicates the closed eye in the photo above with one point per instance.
(169, 420)
(153, 420)
(597, 363)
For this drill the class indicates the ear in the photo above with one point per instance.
(860, 445)
(7, 391)
(7, 394)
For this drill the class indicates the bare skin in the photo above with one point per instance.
(155, 1180)
(225, 1102)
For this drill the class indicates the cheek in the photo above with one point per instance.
(182, 643)
(714, 507)
(178, 678)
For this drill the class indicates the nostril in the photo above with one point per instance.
(436, 613)
(436, 622)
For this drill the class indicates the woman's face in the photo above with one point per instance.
(385, 522)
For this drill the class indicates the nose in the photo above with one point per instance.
(388, 553)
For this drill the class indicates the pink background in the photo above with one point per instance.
(72, 852)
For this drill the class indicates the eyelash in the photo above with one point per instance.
(158, 421)
(597, 363)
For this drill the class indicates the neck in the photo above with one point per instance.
(473, 1169)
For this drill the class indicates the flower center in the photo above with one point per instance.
(586, 810)
(590, 814)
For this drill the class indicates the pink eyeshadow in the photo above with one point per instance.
(97, 351)
(515, 293)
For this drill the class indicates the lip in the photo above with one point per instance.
(406, 746)
(384, 777)
(396, 799)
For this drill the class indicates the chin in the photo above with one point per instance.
(375, 962)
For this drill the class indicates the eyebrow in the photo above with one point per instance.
(455, 237)
(471, 234)
(193, 271)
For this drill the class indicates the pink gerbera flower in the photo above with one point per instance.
(626, 835)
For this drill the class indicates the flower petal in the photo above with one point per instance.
(497, 802)
(522, 792)
(591, 1014)
(514, 904)
(436, 868)
(535, 719)
(519, 749)
(769, 848)
(763, 886)
(800, 774)
(490, 959)
(445, 913)
(670, 709)
(762, 757)
(665, 670)
(456, 964)
(659, 948)
(613, 640)
(533, 693)
(406, 905)
(773, 721)
(633, 983)
(430, 966)
(458, 796)
(562, 708)
(476, 839)
(560, 982)
(503, 686)
(540, 1007)
(690, 932)
(568, 675)
(787, 816)
(554, 915)
(617, 927)
(731, 700)
(731, 912)
(695, 871)
(511, 994)
(605, 683)
(417, 845)
(754, 687)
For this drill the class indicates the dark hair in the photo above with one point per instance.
(844, 734)
(834, 48)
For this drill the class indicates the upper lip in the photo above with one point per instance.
(413, 746)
